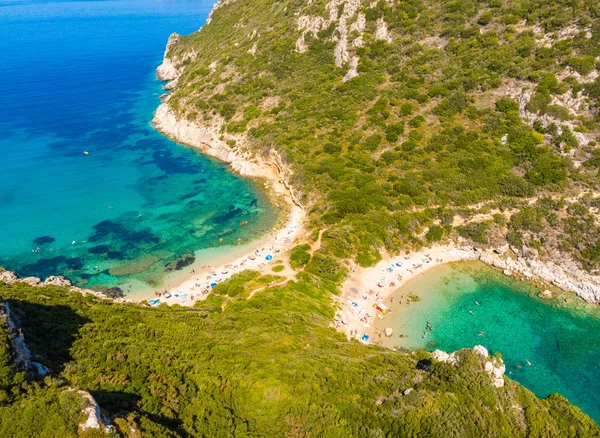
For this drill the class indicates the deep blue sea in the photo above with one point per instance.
(80, 76)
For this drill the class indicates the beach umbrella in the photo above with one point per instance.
(269, 258)
(213, 284)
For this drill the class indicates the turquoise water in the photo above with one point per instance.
(79, 76)
(561, 341)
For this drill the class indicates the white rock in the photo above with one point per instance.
(57, 281)
(167, 71)
(31, 281)
(8, 277)
(481, 351)
(388, 332)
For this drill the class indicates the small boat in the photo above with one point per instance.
(243, 223)
(86, 153)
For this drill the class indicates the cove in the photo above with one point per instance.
(560, 337)
(88, 189)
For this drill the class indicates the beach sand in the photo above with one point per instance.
(224, 264)
(366, 287)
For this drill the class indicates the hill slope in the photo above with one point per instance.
(404, 123)
(269, 366)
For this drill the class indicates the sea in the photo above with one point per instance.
(88, 188)
(548, 345)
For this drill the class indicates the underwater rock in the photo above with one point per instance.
(44, 240)
(180, 263)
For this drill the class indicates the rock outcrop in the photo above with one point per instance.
(566, 275)
(492, 365)
(207, 138)
(23, 355)
(168, 71)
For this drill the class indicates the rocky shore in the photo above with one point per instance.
(524, 263)
(9, 277)
(235, 149)
(212, 141)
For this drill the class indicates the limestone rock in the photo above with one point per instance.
(546, 294)
(7, 277)
(388, 332)
(501, 250)
(481, 351)
(492, 366)
(57, 281)
(167, 71)
(31, 281)
(407, 391)
(496, 369)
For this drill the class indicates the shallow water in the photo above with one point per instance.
(560, 340)
(80, 77)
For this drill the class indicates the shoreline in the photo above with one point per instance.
(365, 287)
(270, 168)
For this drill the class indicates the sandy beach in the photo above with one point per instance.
(260, 255)
(367, 287)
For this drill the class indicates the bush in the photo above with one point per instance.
(299, 256)
(474, 231)
(434, 234)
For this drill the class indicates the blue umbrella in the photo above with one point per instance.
(364, 338)
(213, 284)
(269, 257)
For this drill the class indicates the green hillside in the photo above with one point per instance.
(453, 105)
(401, 121)
(266, 366)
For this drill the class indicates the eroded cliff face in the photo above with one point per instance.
(210, 138)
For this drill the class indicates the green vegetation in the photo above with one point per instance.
(266, 366)
(384, 161)
(299, 256)
(426, 128)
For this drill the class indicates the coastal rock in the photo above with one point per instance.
(31, 281)
(167, 71)
(57, 281)
(7, 277)
(23, 356)
(492, 365)
(388, 332)
(93, 418)
(481, 351)
(546, 294)
(502, 249)
(496, 369)
(564, 274)
(208, 139)
(442, 356)
(381, 32)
